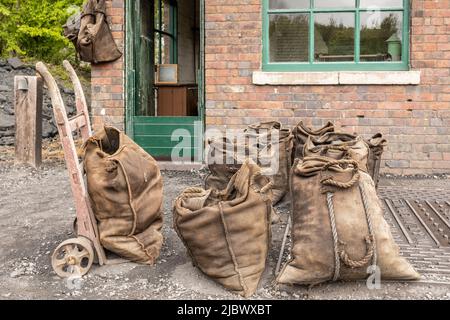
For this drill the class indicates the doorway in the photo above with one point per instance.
(164, 76)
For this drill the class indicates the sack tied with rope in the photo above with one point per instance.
(227, 233)
(301, 133)
(338, 228)
(126, 191)
(377, 144)
(259, 142)
(339, 145)
(90, 33)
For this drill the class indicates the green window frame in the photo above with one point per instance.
(171, 32)
(355, 65)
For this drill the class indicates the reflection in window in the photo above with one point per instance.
(288, 4)
(334, 3)
(289, 37)
(165, 31)
(334, 37)
(324, 33)
(381, 4)
(381, 35)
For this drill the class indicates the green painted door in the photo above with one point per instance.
(159, 136)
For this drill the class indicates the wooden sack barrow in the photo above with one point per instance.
(74, 257)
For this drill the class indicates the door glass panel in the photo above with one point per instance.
(334, 37)
(289, 37)
(381, 36)
(166, 17)
(167, 45)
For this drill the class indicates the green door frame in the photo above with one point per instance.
(136, 126)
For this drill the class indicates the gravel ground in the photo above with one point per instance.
(36, 214)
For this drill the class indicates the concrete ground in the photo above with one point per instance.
(36, 214)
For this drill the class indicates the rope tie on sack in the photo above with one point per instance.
(192, 191)
(329, 181)
(325, 149)
(340, 254)
(337, 263)
(358, 263)
(369, 222)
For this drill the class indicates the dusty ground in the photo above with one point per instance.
(36, 214)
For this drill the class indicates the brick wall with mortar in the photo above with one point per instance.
(415, 119)
(107, 79)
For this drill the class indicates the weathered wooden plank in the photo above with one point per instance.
(28, 113)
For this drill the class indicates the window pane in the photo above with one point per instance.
(381, 4)
(289, 37)
(334, 3)
(381, 36)
(156, 15)
(163, 48)
(167, 45)
(166, 23)
(288, 4)
(334, 35)
(157, 52)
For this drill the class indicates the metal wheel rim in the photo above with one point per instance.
(73, 257)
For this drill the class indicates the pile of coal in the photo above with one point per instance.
(8, 70)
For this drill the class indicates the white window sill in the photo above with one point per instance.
(337, 78)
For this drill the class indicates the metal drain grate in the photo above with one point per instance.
(420, 224)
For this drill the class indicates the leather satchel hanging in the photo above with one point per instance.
(95, 42)
(72, 28)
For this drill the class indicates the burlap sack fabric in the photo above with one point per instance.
(126, 191)
(280, 150)
(265, 150)
(301, 133)
(227, 233)
(376, 147)
(91, 35)
(339, 145)
(338, 226)
(221, 173)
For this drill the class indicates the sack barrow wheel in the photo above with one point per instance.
(73, 257)
(75, 232)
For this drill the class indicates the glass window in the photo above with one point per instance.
(289, 37)
(381, 36)
(334, 37)
(381, 4)
(289, 4)
(165, 32)
(334, 3)
(327, 35)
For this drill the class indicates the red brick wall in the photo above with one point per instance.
(415, 119)
(107, 80)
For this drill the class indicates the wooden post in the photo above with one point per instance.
(28, 110)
